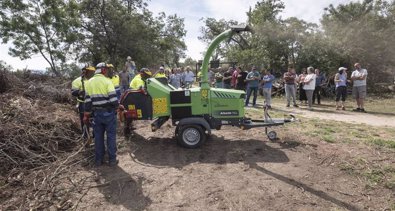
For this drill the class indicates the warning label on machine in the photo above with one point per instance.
(159, 105)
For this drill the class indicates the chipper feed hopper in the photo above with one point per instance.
(196, 111)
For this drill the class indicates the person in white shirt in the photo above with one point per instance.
(188, 77)
(175, 78)
(130, 67)
(309, 85)
(358, 77)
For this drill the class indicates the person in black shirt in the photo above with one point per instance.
(228, 78)
(241, 79)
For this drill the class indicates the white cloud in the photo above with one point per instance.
(229, 9)
(192, 11)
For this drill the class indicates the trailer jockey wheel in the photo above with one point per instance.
(190, 136)
(272, 135)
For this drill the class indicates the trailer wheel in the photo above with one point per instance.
(272, 135)
(190, 136)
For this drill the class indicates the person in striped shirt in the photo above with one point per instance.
(101, 102)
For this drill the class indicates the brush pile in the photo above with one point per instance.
(39, 138)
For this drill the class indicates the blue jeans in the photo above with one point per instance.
(227, 86)
(105, 122)
(124, 88)
(118, 92)
(249, 90)
(290, 92)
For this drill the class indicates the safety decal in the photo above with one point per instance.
(204, 93)
(159, 105)
(131, 107)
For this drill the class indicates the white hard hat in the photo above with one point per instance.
(342, 68)
(128, 58)
(100, 65)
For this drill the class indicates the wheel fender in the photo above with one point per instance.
(195, 121)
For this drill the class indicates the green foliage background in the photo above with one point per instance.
(70, 32)
(91, 31)
(348, 33)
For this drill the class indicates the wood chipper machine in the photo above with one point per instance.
(195, 111)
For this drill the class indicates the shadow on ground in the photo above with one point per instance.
(164, 152)
(380, 113)
(319, 193)
(120, 188)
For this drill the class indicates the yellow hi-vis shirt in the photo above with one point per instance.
(199, 75)
(76, 86)
(137, 83)
(160, 75)
(100, 94)
(115, 82)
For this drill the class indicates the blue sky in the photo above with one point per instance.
(192, 11)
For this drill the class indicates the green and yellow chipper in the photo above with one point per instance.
(196, 111)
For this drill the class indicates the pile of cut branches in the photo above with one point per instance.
(40, 140)
(7, 80)
(34, 133)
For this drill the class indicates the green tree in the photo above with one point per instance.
(267, 46)
(211, 29)
(5, 66)
(265, 11)
(189, 62)
(364, 32)
(171, 43)
(114, 31)
(40, 27)
(108, 25)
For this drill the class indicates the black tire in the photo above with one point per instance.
(190, 136)
(272, 135)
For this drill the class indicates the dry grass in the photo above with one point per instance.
(374, 171)
(383, 106)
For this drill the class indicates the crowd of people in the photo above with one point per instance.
(308, 84)
(98, 91)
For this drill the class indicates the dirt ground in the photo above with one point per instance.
(327, 111)
(234, 170)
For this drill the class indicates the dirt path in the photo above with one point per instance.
(327, 112)
(234, 170)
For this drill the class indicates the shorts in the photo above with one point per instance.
(359, 92)
(341, 92)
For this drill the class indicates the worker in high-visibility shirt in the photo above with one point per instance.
(160, 73)
(138, 82)
(78, 90)
(101, 102)
(113, 75)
